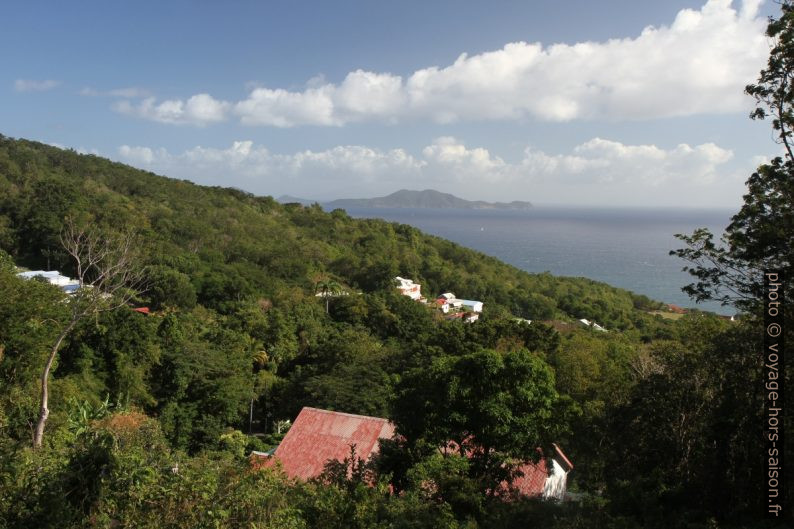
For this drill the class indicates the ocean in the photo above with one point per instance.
(627, 248)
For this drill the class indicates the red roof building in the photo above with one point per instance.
(546, 478)
(320, 435)
(538, 481)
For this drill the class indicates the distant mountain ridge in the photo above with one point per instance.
(428, 198)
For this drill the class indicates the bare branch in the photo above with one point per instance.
(106, 268)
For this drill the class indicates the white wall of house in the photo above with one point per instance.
(53, 277)
(556, 483)
(408, 288)
(476, 306)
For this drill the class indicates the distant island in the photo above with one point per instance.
(289, 199)
(406, 198)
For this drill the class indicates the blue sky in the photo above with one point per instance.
(595, 103)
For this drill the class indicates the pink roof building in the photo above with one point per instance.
(319, 435)
(547, 478)
(538, 481)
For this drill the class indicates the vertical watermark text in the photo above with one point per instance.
(773, 389)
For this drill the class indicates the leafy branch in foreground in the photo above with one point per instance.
(761, 235)
(720, 276)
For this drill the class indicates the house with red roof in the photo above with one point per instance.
(547, 477)
(675, 309)
(317, 436)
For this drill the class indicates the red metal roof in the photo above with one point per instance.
(142, 310)
(534, 474)
(533, 480)
(319, 435)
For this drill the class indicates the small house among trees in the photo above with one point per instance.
(318, 436)
(546, 478)
(53, 277)
(408, 288)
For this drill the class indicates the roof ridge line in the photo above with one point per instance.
(344, 413)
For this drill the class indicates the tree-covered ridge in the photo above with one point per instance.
(223, 244)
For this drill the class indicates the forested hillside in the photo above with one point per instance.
(152, 415)
(225, 245)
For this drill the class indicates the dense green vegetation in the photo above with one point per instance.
(221, 247)
(236, 325)
(152, 415)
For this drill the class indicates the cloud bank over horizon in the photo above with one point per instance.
(631, 174)
(699, 64)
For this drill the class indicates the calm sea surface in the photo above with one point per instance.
(627, 248)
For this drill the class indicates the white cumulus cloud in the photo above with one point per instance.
(599, 161)
(256, 168)
(141, 156)
(697, 64)
(448, 156)
(280, 108)
(200, 109)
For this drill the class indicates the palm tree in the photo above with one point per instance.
(259, 359)
(326, 289)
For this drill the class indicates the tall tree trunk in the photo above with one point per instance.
(44, 411)
(251, 417)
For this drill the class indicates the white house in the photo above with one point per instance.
(329, 294)
(53, 277)
(408, 288)
(594, 325)
(475, 306)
